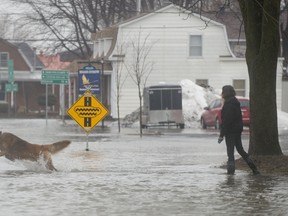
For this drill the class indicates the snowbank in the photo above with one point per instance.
(194, 99)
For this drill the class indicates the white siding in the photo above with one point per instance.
(169, 33)
(107, 45)
(237, 69)
(285, 96)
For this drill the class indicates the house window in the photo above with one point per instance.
(202, 82)
(195, 46)
(239, 86)
(3, 59)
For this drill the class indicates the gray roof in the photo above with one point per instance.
(29, 55)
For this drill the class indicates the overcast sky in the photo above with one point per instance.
(8, 7)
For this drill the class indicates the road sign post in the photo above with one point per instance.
(87, 112)
(11, 87)
(60, 77)
(10, 71)
(55, 77)
(89, 79)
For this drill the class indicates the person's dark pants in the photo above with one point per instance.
(234, 140)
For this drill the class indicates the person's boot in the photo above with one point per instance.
(252, 166)
(230, 167)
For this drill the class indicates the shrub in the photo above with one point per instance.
(52, 100)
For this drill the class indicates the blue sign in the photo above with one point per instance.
(89, 79)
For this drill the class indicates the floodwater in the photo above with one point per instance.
(176, 173)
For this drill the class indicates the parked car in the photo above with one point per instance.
(211, 117)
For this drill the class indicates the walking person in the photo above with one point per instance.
(231, 129)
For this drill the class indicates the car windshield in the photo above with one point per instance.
(244, 103)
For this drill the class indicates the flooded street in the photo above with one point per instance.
(176, 173)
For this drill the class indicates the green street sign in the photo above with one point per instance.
(11, 87)
(10, 71)
(54, 77)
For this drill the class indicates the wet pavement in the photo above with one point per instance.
(166, 172)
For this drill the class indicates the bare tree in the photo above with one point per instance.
(68, 24)
(119, 77)
(4, 25)
(140, 68)
(11, 26)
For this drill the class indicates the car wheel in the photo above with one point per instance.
(203, 125)
(217, 124)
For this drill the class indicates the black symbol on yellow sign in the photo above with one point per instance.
(87, 111)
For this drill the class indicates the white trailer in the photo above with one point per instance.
(162, 106)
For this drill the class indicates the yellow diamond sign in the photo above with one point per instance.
(87, 111)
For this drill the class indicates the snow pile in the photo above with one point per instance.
(194, 99)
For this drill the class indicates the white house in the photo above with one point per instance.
(183, 46)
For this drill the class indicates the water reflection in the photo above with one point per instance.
(253, 195)
(125, 175)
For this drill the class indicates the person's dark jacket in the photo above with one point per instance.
(231, 117)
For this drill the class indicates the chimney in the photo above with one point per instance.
(138, 7)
